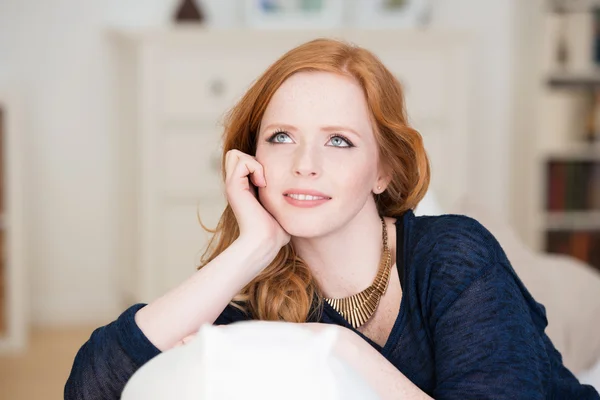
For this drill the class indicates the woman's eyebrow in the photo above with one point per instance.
(338, 128)
(327, 128)
(280, 126)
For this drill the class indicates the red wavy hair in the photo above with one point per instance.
(286, 290)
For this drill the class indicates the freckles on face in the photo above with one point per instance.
(316, 133)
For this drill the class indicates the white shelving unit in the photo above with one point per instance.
(574, 220)
(567, 218)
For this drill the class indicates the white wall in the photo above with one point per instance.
(57, 53)
(525, 177)
(492, 23)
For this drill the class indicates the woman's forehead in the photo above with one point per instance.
(319, 84)
(329, 98)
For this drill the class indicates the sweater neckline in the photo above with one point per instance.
(402, 234)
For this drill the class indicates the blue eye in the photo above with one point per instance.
(340, 141)
(279, 137)
(336, 140)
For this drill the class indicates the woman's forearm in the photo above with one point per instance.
(380, 374)
(202, 297)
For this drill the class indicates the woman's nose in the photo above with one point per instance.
(306, 162)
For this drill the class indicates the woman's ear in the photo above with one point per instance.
(381, 184)
(384, 178)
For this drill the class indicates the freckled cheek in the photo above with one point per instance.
(273, 164)
(353, 171)
(274, 167)
(356, 182)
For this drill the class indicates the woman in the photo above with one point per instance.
(321, 172)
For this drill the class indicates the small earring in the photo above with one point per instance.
(378, 187)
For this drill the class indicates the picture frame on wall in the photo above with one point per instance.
(293, 14)
(390, 14)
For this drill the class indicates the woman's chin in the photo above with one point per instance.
(306, 227)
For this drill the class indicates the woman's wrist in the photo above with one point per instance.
(258, 254)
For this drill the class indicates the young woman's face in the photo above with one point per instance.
(316, 138)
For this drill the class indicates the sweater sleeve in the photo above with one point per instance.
(490, 344)
(104, 364)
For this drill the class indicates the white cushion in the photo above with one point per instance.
(591, 376)
(250, 360)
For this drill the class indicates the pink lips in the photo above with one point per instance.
(305, 191)
(305, 203)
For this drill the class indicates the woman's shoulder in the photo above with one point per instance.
(448, 254)
(454, 246)
(452, 232)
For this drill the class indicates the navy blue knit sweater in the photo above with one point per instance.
(467, 327)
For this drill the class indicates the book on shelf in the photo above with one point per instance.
(573, 185)
(583, 245)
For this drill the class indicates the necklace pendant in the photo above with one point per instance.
(359, 308)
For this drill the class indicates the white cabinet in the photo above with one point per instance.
(13, 315)
(175, 86)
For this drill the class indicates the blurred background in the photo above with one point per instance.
(110, 118)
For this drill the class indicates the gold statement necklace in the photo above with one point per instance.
(359, 308)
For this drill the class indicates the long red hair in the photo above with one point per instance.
(286, 290)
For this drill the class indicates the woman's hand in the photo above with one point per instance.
(185, 340)
(243, 174)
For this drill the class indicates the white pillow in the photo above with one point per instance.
(591, 377)
(250, 360)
